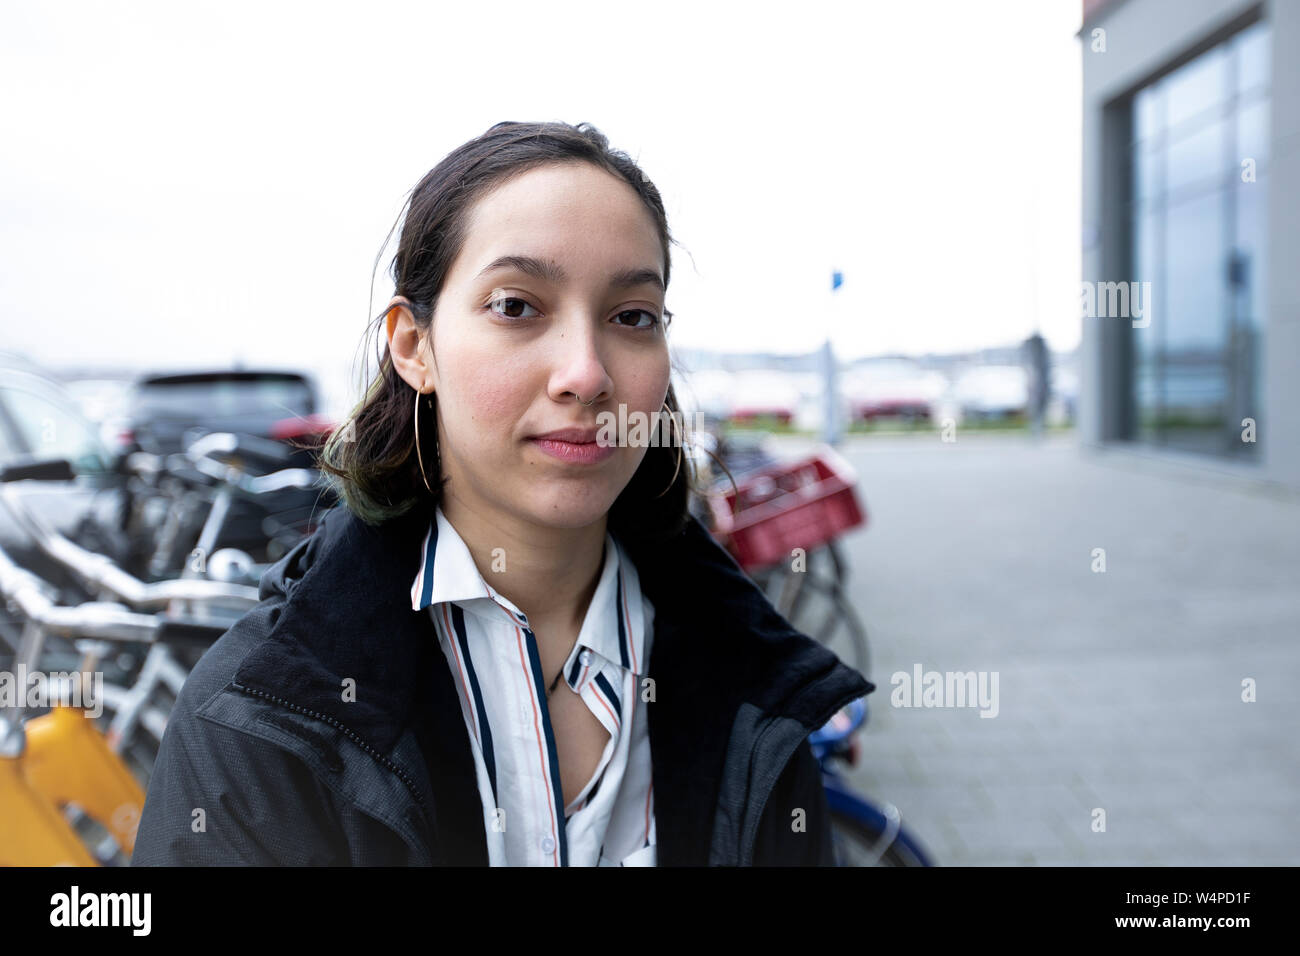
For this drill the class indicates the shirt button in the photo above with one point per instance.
(548, 845)
(585, 657)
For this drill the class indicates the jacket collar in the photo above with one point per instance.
(718, 642)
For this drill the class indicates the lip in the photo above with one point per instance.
(574, 445)
(577, 436)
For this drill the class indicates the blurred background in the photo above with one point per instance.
(1005, 270)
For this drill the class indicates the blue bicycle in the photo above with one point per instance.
(863, 833)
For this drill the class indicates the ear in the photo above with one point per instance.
(407, 346)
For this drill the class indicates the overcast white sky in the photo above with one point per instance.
(194, 183)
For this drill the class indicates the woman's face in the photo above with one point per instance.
(556, 296)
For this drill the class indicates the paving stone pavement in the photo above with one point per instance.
(1118, 690)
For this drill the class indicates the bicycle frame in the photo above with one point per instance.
(32, 831)
(130, 705)
(67, 760)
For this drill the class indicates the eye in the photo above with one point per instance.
(514, 304)
(654, 319)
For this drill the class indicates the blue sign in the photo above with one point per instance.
(837, 279)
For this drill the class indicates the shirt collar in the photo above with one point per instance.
(447, 571)
(613, 627)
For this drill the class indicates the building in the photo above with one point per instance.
(1191, 226)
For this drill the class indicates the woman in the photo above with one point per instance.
(511, 643)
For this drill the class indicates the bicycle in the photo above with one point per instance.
(61, 784)
(201, 483)
(863, 833)
(141, 686)
(781, 520)
(184, 504)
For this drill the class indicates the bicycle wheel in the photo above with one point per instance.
(783, 587)
(856, 843)
(814, 601)
(842, 631)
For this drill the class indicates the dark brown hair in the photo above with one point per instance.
(372, 456)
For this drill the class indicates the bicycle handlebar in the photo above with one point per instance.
(94, 619)
(100, 572)
(254, 485)
(198, 465)
(236, 443)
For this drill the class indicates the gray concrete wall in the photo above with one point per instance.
(1144, 38)
(1282, 345)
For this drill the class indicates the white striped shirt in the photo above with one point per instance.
(496, 667)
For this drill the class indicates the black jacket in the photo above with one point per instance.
(264, 761)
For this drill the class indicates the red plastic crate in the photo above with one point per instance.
(799, 504)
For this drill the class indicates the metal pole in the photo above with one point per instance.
(830, 386)
(830, 396)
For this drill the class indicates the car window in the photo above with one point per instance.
(10, 449)
(48, 428)
(202, 400)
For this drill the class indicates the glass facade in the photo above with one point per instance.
(1198, 163)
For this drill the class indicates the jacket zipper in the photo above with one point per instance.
(351, 735)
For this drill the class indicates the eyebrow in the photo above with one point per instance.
(548, 270)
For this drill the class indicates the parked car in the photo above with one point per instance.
(892, 389)
(992, 392)
(40, 421)
(759, 395)
(265, 403)
(168, 410)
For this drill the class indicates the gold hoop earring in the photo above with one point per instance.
(418, 454)
(680, 443)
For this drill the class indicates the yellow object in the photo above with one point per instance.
(32, 831)
(66, 760)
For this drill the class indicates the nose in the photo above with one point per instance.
(579, 370)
